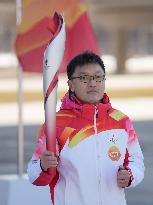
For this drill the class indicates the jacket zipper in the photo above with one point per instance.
(98, 156)
(95, 119)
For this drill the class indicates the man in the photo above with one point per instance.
(98, 154)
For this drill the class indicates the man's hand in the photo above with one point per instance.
(48, 160)
(123, 177)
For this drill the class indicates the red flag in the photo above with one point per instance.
(33, 34)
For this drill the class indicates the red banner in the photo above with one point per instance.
(33, 33)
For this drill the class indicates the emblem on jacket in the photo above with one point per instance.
(114, 153)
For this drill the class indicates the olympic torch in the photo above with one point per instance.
(53, 56)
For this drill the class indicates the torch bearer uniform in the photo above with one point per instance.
(92, 142)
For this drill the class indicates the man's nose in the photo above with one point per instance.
(92, 81)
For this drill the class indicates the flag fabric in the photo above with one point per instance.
(33, 34)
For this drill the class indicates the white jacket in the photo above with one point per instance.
(93, 143)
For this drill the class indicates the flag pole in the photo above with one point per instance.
(20, 101)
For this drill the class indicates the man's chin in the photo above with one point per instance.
(93, 101)
(90, 100)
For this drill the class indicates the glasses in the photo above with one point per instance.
(87, 78)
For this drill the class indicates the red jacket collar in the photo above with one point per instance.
(86, 110)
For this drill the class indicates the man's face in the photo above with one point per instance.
(89, 88)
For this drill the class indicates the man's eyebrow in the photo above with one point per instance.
(98, 72)
(85, 73)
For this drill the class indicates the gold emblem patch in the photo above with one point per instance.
(114, 153)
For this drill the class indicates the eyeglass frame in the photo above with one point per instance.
(91, 77)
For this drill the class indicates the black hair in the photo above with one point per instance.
(86, 57)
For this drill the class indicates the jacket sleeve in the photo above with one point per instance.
(134, 157)
(35, 174)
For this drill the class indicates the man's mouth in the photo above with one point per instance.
(92, 91)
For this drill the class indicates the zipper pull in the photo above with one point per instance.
(96, 112)
(95, 116)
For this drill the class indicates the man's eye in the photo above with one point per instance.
(84, 78)
(98, 77)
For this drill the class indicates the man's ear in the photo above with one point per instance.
(70, 84)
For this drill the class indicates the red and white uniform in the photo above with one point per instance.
(92, 141)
